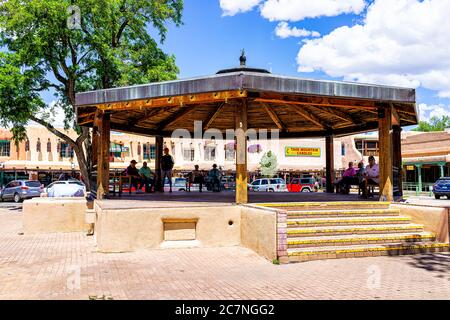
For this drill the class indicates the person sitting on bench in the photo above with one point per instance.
(214, 176)
(348, 178)
(371, 176)
(133, 172)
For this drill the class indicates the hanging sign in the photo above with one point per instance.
(302, 152)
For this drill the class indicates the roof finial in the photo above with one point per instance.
(243, 58)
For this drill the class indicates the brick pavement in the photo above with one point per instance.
(67, 266)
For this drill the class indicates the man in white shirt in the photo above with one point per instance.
(371, 175)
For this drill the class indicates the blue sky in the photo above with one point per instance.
(209, 41)
(402, 42)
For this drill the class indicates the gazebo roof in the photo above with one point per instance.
(297, 107)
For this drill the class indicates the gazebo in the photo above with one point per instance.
(249, 98)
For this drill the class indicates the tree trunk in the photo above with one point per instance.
(83, 164)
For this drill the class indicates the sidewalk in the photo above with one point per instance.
(67, 266)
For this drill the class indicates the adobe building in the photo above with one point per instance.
(44, 156)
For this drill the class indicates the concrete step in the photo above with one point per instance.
(341, 205)
(338, 221)
(342, 213)
(348, 240)
(363, 229)
(368, 250)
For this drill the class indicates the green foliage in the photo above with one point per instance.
(269, 164)
(435, 124)
(114, 47)
(276, 262)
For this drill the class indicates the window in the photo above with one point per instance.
(188, 154)
(49, 146)
(343, 149)
(38, 145)
(33, 184)
(229, 154)
(65, 150)
(210, 153)
(149, 151)
(367, 147)
(256, 183)
(264, 181)
(5, 149)
(152, 152)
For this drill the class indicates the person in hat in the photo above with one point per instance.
(371, 175)
(133, 172)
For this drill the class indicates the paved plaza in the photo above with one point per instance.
(67, 266)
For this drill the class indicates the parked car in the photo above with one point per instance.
(178, 184)
(268, 185)
(301, 185)
(66, 188)
(442, 188)
(19, 190)
(228, 183)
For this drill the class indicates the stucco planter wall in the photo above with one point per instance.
(51, 215)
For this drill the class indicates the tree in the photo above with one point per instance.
(435, 124)
(269, 164)
(113, 46)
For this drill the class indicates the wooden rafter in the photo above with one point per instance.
(147, 115)
(274, 116)
(337, 103)
(173, 117)
(338, 113)
(309, 116)
(213, 116)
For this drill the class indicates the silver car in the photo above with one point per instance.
(268, 185)
(66, 188)
(19, 190)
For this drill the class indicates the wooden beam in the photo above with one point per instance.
(385, 145)
(159, 145)
(175, 101)
(329, 155)
(103, 156)
(173, 118)
(213, 116)
(272, 114)
(309, 116)
(395, 116)
(397, 157)
(241, 152)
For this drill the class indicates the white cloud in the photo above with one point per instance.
(283, 30)
(402, 42)
(297, 10)
(233, 7)
(426, 112)
(293, 10)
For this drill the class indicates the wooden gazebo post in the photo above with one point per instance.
(103, 143)
(241, 152)
(385, 154)
(397, 156)
(329, 155)
(159, 145)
